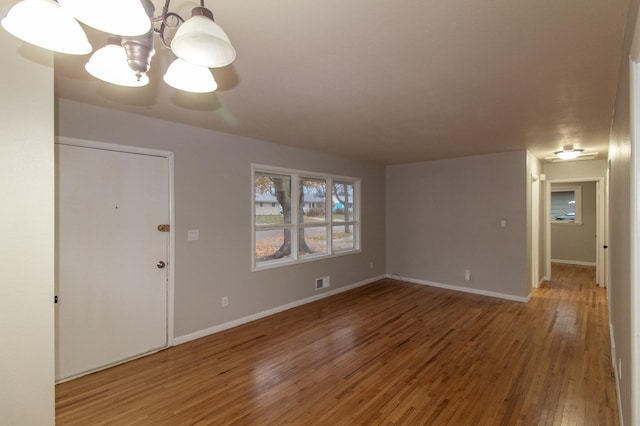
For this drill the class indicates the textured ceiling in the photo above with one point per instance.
(395, 81)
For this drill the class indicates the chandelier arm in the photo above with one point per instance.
(179, 18)
(165, 23)
(165, 9)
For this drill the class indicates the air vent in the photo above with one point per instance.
(322, 282)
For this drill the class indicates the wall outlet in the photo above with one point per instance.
(371, 265)
(467, 274)
(225, 301)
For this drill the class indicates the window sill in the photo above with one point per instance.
(280, 263)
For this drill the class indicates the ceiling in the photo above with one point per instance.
(394, 81)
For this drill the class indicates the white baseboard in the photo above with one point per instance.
(540, 282)
(104, 367)
(616, 373)
(613, 346)
(227, 325)
(462, 289)
(573, 262)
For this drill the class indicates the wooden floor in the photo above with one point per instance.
(387, 353)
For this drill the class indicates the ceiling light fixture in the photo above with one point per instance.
(188, 77)
(109, 64)
(568, 152)
(45, 24)
(199, 43)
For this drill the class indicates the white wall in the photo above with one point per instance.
(26, 233)
(213, 193)
(443, 217)
(620, 307)
(576, 169)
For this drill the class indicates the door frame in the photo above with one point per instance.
(600, 226)
(634, 201)
(61, 140)
(535, 231)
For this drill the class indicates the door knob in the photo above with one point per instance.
(160, 264)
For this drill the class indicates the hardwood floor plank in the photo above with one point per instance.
(390, 353)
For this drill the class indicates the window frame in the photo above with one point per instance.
(577, 191)
(297, 223)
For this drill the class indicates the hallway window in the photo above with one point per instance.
(566, 204)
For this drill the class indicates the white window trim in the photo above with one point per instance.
(577, 189)
(294, 226)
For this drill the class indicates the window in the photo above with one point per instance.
(343, 216)
(566, 204)
(315, 216)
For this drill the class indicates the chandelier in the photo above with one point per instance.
(198, 42)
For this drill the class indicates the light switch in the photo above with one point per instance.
(503, 223)
(193, 235)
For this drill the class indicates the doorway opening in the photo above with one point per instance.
(575, 224)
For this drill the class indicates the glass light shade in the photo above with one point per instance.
(188, 77)
(110, 64)
(202, 42)
(568, 155)
(121, 17)
(45, 24)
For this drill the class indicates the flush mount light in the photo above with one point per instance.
(568, 153)
(199, 41)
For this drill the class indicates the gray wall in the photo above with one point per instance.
(27, 233)
(444, 217)
(213, 193)
(620, 223)
(577, 242)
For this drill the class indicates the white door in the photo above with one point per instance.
(111, 284)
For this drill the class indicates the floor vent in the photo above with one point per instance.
(322, 283)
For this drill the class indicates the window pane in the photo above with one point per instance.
(313, 240)
(272, 199)
(563, 205)
(343, 237)
(342, 203)
(312, 203)
(270, 245)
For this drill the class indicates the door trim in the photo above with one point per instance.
(535, 231)
(61, 140)
(600, 228)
